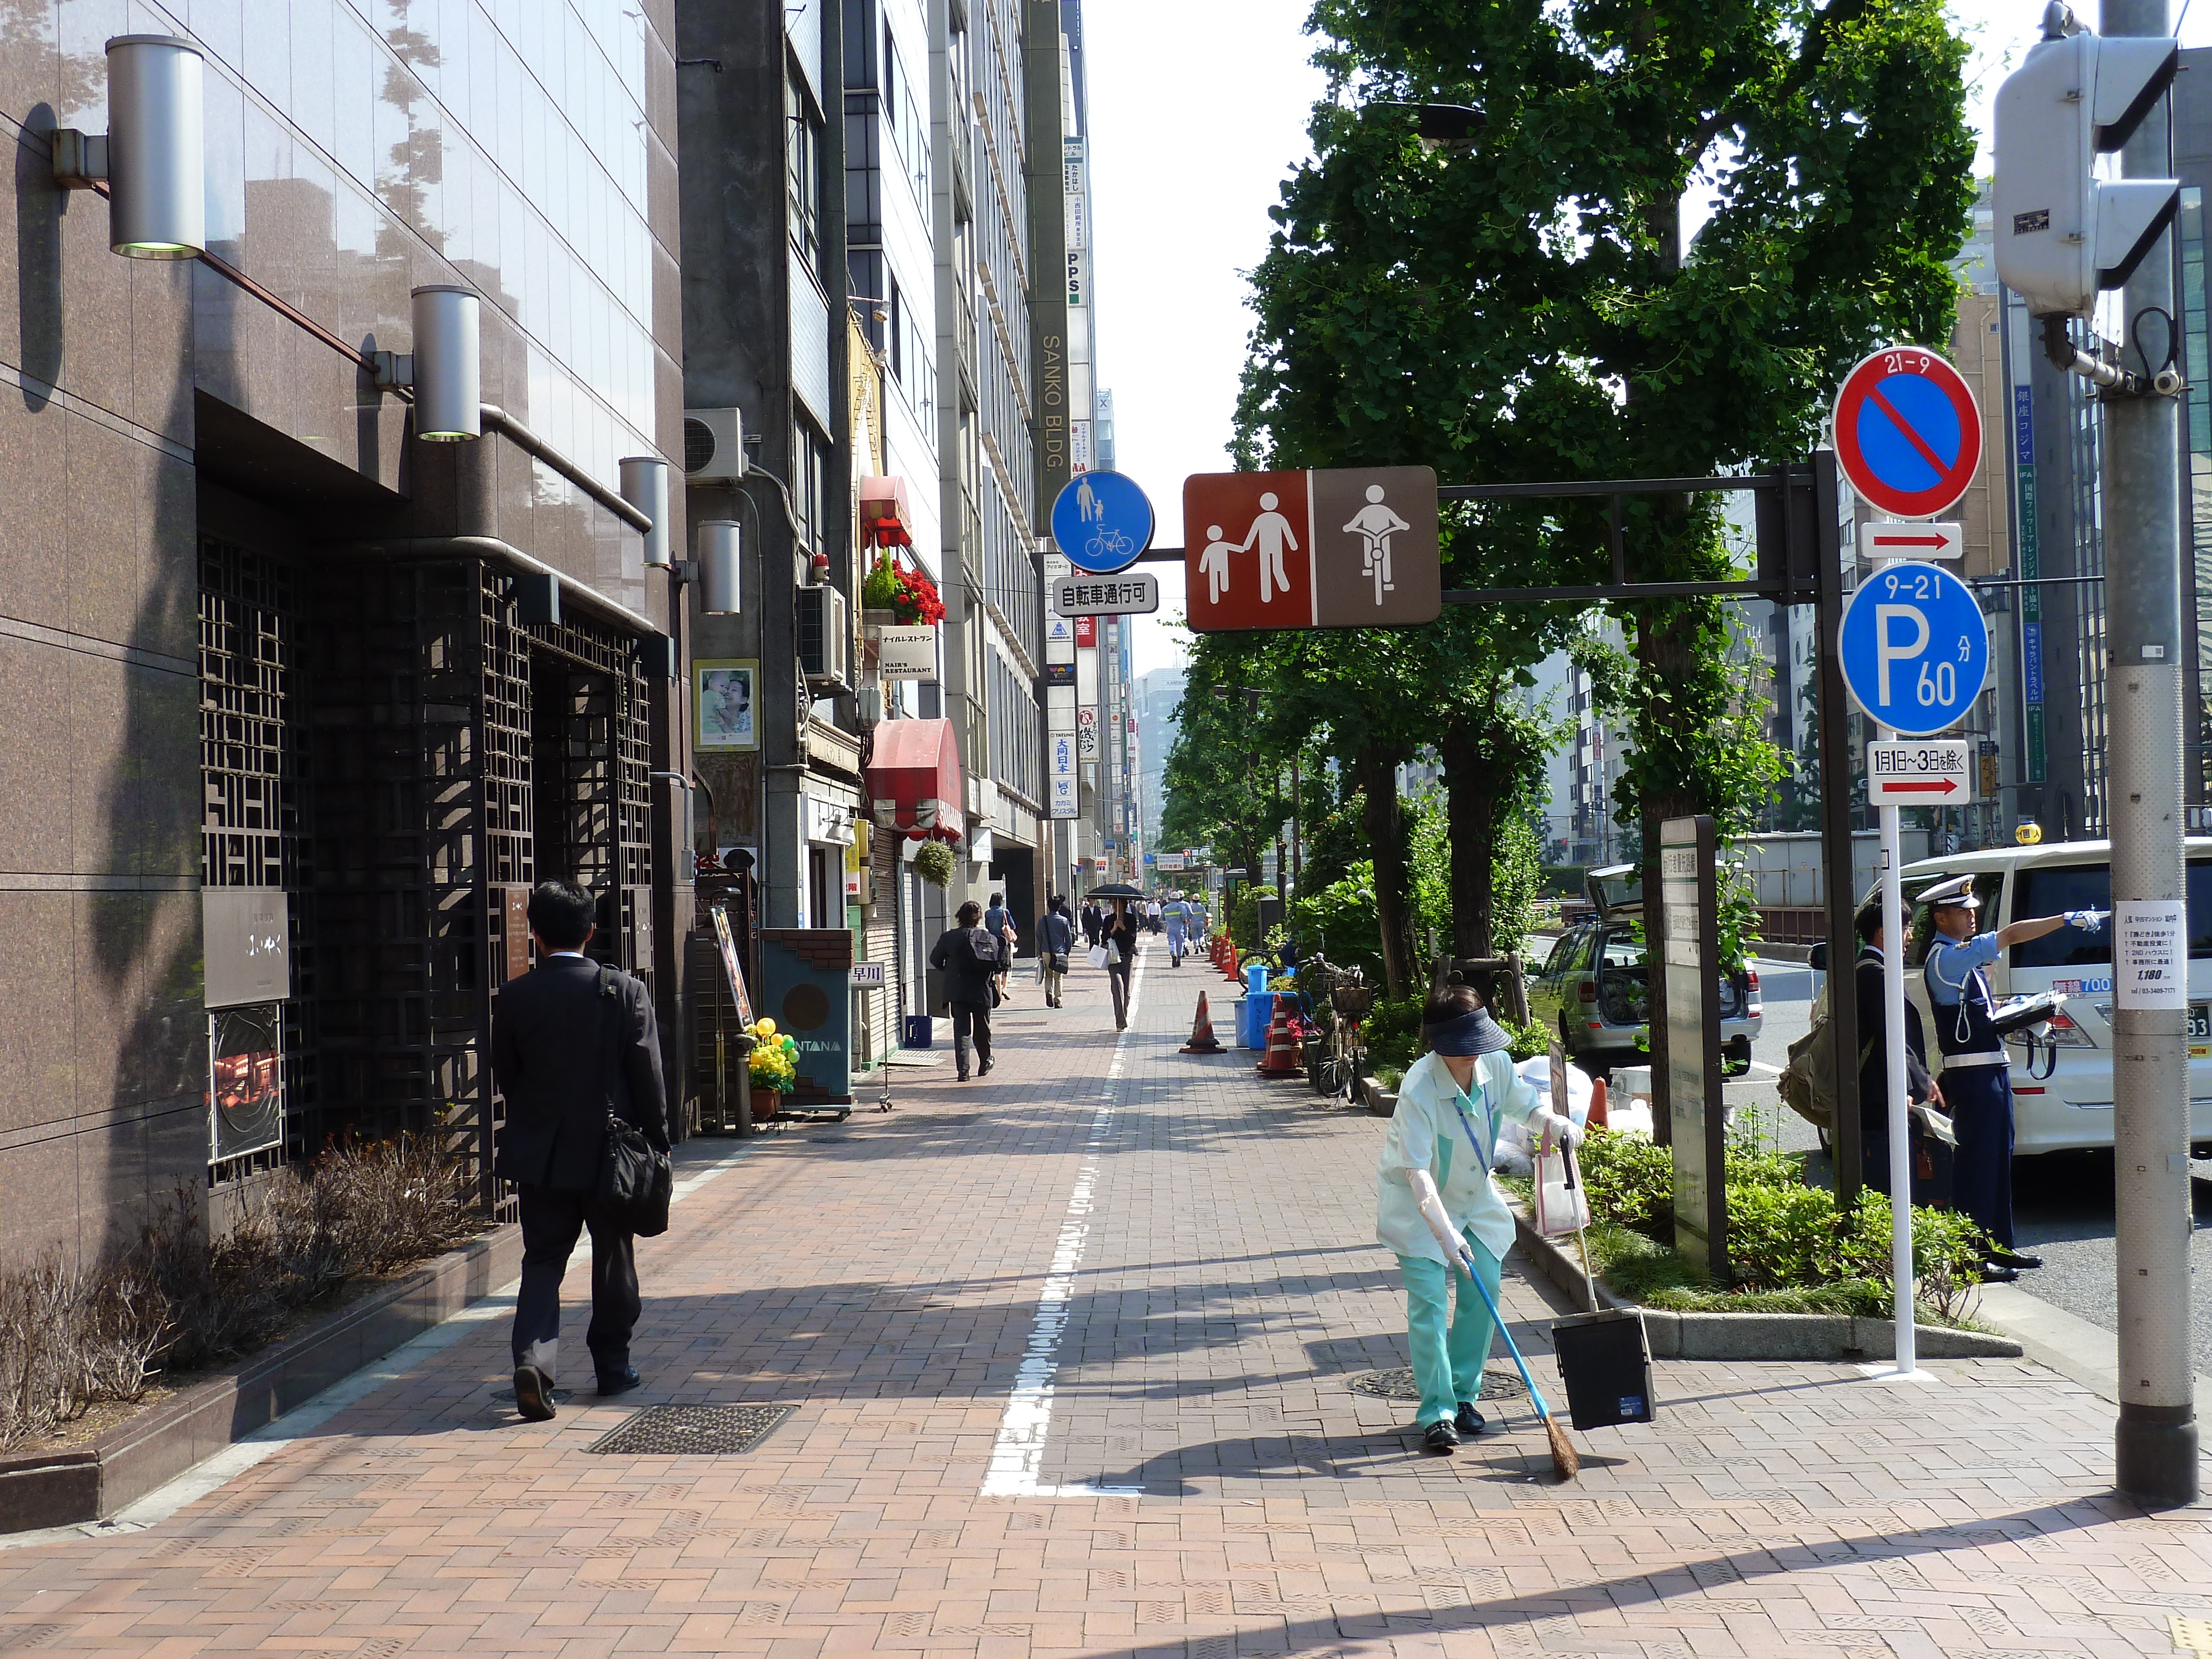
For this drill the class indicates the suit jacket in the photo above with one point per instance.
(1874, 1043)
(565, 1056)
(966, 979)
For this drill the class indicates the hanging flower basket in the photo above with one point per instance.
(907, 593)
(933, 862)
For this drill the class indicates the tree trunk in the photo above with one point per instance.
(1666, 641)
(1377, 777)
(1471, 807)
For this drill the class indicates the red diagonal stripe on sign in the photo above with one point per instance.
(1874, 396)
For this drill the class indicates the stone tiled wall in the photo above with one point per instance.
(354, 150)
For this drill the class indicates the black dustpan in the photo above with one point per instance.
(1604, 1356)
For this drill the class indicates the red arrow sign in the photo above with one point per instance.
(1911, 541)
(1937, 786)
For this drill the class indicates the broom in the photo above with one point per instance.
(1566, 1461)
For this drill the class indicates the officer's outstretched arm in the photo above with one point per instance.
(2019, 933)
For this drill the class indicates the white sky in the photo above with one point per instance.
(1181, 185)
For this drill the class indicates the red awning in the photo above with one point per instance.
(914, 780)
(886, 519)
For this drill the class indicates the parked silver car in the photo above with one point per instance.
(1592, 986)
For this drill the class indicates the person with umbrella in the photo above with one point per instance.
(1118, 930)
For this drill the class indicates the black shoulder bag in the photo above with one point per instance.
(635, 1179)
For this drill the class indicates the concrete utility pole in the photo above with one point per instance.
(2157, 1439)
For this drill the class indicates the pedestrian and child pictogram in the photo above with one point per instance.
(1908, 434)
(1344, 548)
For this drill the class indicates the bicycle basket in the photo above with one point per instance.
(1353, 1001)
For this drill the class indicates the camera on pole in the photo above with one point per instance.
(2063, 233)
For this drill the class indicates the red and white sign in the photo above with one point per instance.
(1340, 548)
(1926, 772)
(1908, 434)
(1889, 539)
(1086, 631)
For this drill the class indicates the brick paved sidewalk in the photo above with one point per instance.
(1005, 1302)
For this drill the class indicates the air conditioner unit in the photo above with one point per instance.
(822, 635)
(713, 446)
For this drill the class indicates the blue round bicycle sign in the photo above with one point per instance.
(1915, 648)
(1102, 521)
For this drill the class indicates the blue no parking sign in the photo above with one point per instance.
(1915, 648)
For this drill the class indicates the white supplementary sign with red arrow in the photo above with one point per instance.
(1903, 538)
(1925, 772)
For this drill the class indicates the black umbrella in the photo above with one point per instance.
(1114, 890)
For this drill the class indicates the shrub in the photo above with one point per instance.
(1783, 1236)
(177, 1301)
(1338, 921)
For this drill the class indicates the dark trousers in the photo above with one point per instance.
(1980, 1099)
(551, 1221)
(971, 1017)
(1117, 978)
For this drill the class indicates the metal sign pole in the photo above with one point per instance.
(1836, 833)
(1900, 1150)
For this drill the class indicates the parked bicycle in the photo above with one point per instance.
(1348, 1000)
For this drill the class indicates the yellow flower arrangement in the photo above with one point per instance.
(773, 1061)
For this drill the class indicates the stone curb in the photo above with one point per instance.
(1758, 1335)
(150, 1447)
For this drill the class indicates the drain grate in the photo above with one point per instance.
(1497, 1383)
(693, 1430)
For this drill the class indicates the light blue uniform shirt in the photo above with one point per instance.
(1952, 963)
(1424, 1123)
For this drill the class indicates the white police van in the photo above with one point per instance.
(2071, 1106)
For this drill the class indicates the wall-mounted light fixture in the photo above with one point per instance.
(448, 380)
(718, 545)
(153, 159)
(645, 487)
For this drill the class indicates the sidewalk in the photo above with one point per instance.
(1070, 1348)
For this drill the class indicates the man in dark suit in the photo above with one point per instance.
(569, 1046)
(1929, 1182)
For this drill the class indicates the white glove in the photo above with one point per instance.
(2089, 921)
(1431, 1205)
(1565, 1131)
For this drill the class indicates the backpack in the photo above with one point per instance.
(1807, 1083)
(984, 948)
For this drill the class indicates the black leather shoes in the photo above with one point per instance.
(621, 1382)
(1469, 1421)
(2012, 1259)
(1993, 1274)
(1441, 1438)
(533, 1394)
(984, 1069)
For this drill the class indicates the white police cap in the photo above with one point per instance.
(1958, 892)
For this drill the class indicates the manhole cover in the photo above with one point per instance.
(1496, 1384)
(692, 1431)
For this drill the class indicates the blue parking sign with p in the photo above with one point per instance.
(1915, 648)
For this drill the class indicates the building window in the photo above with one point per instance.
(802, 171)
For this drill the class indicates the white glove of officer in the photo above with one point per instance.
(1431, 1205)
(1563, 1131)
(2089, 921)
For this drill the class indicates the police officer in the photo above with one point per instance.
(1977, 1079)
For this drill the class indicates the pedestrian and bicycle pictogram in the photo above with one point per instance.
(1908, 434)
(1102, 521)
(1342, 548)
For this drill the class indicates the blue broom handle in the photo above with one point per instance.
(1536, 1394)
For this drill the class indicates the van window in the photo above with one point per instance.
(2046, 892)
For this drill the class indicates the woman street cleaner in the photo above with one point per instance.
(1435, 1197)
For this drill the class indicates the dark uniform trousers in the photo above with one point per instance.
(1980, 1099)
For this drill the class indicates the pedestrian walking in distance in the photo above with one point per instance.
(998, 921)
(1092, 921)
(1055, 942)
(1977, 1075)
(971, 959)
(1118, 931)
(571, 1045)
(1434, 1197)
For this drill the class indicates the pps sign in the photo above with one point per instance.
(1915, 648)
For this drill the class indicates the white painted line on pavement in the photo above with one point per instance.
(305, 1419)
(1018, 1454)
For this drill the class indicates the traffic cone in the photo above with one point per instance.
(1597, 1116)
(1202, 1040)
(1282, 1056)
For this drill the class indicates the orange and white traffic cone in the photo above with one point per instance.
(1202, 1040)
(1597, 1109)
(1282, 1056)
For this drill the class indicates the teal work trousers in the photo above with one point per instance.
(1447, 1365)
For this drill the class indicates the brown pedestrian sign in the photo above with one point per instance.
(1352, 547)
